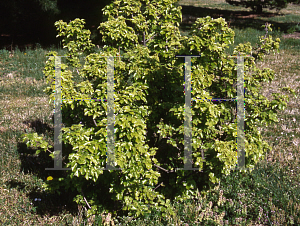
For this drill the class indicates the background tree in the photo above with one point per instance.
(28, 21)
(31, 21)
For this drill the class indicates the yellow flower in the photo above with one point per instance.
(25, 53)
(49, 178)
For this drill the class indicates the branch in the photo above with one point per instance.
(171, 171)
(266, 29)
(77, 71)
(49, 150)
(150, 38)
(95, 122)
(144, 41)
(158, 186)
(167, 46)
(85, 199)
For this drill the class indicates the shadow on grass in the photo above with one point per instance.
(237, 19)
(45, 203)
(39, 126)
(53, 204)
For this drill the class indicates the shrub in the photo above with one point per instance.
(149, 107)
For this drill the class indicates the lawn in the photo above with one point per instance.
(269, 195)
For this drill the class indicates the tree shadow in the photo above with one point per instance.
(46, 203)
(237, 19)
(39, 126)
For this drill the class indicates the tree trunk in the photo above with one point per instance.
(259, 9)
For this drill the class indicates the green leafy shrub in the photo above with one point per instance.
(149, 107)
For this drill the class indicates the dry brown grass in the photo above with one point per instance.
(284, 65)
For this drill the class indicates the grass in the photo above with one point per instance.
(269, 195)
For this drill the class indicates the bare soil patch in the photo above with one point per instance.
(295, 35)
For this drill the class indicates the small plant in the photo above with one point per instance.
(294, 28)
